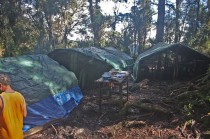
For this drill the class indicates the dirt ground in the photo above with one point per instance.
(149, 113)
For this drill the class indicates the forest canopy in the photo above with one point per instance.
(40, 26)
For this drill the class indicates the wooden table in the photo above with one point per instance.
(116, 81)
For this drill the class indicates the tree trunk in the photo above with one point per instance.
(160, 21)
(93, 26)
(50, 33)
(208, 5)
(197, 15)
(176, 39)
(91, 18)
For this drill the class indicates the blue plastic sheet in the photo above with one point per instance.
(52, 107)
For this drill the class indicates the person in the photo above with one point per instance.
(12, 110)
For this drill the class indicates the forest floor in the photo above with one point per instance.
(149, 113)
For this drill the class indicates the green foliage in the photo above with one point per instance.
(197, 34)
(188, 109)
(201, 41)
(196, 104)
(27, 26)
(97, 24)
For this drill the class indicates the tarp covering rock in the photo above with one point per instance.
(50, 90)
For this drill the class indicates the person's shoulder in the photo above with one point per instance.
(18, 93)
(2, 94)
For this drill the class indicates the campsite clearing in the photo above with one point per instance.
(152, 111)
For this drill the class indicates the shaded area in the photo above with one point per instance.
(170, 61)
(150, 112)
(85, 67)
(50, 90)
(89, 64)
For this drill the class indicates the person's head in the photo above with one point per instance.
(4, 81)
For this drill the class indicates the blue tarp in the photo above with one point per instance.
(48, 109)
(50, 90)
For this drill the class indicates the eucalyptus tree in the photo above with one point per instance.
(198, 33)
(139, 22)
(183, 23)
(73, 17)
(169, 25)
(177, 23)
(16, 32)
(114, 39)
(160, 21)
(191, 20)
(55, 20)
(41, 13)
(29, 14)
(143, 21)
(97, 22)
(117, 33)
(175, 19)
(208, 6)
(7, 22)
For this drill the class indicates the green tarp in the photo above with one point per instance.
(118, 60)
(159, 48)
(50, 90)
(37, 76)
(90, 63)
(126, 60)
(86, 68)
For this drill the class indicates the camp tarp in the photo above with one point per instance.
(90, 63)
(163, 47)
(116, 61)
(127, 61)
(86, 68)
(50, 90)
